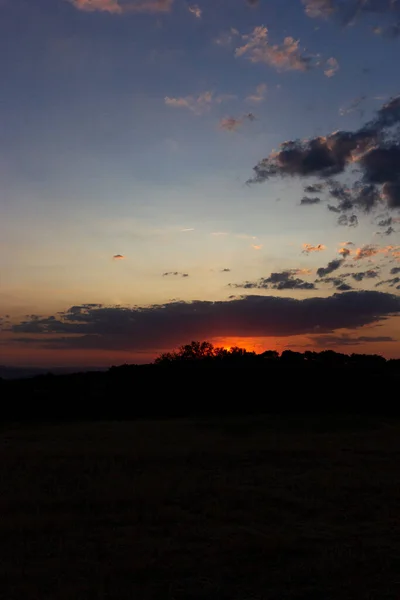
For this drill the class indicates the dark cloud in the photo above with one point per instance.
(331, 266)
(348, 220)
(175, 274)
(385, 222)
(320, 156)
(344, 287)
(310, 200)
(346, 340)
(284, 280)
(337, 282)
(391, 192)
(394, 281)
(388, 231)
(373, 150)
(395, 270)
(364, 275)
(314, 188)
(225, 270)
(167, 325)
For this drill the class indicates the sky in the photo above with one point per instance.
(226, 170)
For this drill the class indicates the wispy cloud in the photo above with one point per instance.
(370, 250)
(331, 67)
(175, 274)
(353, 106)
(196, 104)
(123, 6)
(234, 123)
(284, 280)
(283, 57)
(259, 95)
(319, 9)
(333, 265)
(195, 10)
(199, 104)
(307, 248)
(226, 37)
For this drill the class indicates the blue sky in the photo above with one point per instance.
(132, 127)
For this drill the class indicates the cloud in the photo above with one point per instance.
(390, 189)
(331, 341)
(331, 67)
(284, 57)
(257, 246)
(226, 38)
(337, 282)
(353, 106)
(371, 274)
(395, 270)
(372, 152)
(175, 274)
(187, 229)
(319, 9)
(123, 6)
(285, 280)
(385, 222)
(314, 188)
(333, 265)
(118, 257)
(370, 250)
(307, 248)
(196, 104)
(349, 11)
(195, 10)
(344, 252)
(347, 220)
(394, 281)
(310, 200)
(387, 231)
(199, 104)
(390, 31)
(259, 95)
(233, 123)
(166, 325)
(225, 270)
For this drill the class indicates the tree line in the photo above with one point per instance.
(206, 354)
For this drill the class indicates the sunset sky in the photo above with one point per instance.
(225, 170)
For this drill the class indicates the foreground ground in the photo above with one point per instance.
(238, 509)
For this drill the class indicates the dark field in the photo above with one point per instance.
(238, 509)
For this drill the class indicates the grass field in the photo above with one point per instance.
(238, 509)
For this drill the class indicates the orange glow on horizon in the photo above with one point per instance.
(257, 345)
